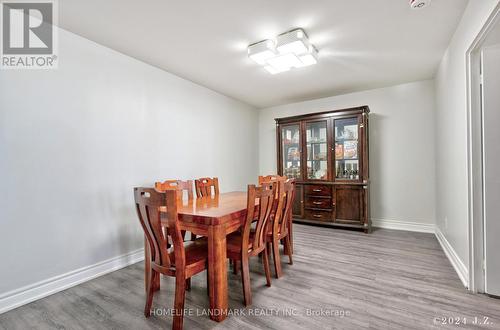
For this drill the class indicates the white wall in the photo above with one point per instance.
(451, 130)
(76, 140)
(402, 171)
(491, 137)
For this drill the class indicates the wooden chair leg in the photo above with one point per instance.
(236, 266)
(208, 283)
(147, 266)
(245, 279)
(149, 293)
(265, 260)
(188, 284)
(180, 296)
(290, 251)
(155, 280)
(277, 259)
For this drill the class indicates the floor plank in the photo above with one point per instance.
(340, 279)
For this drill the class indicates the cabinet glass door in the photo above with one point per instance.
(347, 149)
(290, 140)
(317, 150)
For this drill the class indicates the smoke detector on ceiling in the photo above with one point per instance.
(419, 4)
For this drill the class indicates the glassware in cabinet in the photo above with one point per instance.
(291, 148)
(347, 149)
(317, 150)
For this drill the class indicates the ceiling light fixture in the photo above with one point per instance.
(285, 62)
(291, 49)
(292, 42)
(310, 57)
(261, 51)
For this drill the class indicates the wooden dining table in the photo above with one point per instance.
(213, 217)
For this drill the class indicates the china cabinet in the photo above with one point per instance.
(327, 153)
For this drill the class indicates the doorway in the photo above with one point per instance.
(484, 159)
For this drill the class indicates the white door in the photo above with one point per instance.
(491, 154)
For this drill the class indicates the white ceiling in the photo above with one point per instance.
(362, 44)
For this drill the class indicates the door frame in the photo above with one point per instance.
(475, 155)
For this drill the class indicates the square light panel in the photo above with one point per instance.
(310, 57)
(285, 62)
(261, 51)
(294, 41)
(291, 49)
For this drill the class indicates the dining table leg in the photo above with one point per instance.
(217, 272)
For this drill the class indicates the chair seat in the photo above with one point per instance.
(280, 235)
(233, 243)
(196, 252)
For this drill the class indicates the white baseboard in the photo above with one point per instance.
(456, 262)
(403, 225)
(27, 294)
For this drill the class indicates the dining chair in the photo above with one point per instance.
(248, 243)
(277, 178)
(278, 228)
(181, 187)
(271, 178)
(178, 184)
(204, 187)
(181, 262)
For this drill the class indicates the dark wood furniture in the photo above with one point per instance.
(279, 226)
(249, 243)
(182, 262)
(327, 153)
(214, 217)
(204, 187)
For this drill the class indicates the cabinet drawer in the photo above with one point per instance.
(318, 215)
(317, 190)
(318, 203)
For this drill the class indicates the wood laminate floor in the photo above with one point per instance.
(340, 280)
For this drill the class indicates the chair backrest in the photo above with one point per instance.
(260, 201)
(204, 186)
(271, 178)
(286, 195)
(176, 184)
(148, 202)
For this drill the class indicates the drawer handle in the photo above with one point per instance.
(317, 203)
(317, 190)
(317, 215)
